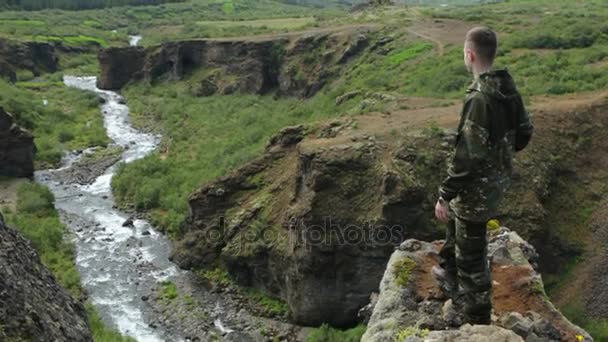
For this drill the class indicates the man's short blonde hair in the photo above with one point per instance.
(484, 42)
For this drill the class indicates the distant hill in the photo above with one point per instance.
(333, 3)
(31, 5)
(322, 3)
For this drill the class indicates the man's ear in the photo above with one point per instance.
(472, 56)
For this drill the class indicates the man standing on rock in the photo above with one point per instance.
(493, 125)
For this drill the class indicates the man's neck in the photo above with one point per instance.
(480, 70)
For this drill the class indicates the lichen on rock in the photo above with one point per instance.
(520, 311)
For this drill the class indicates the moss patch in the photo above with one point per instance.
(411, 332)
(403, 270)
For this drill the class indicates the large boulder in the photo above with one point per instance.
(33, 306)
(410, 303)
(17, 148)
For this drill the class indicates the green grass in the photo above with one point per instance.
(228, 7)
(168, 291)
(101, 333)
(279, 23)
(409, 52)
(37, 220)
(71, 120)
(271, 306)
(217, 275)
(31, 23)
(325, 333)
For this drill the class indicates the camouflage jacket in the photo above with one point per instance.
(493, 125)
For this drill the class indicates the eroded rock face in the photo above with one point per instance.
(410, 300)
(120, 65)
(32, 56)
(309, 223)
(33, 306)
(17, 148)
(296, 66)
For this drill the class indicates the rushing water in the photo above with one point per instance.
(118, 265)
(134, 40)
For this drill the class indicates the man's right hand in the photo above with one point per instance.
(442, 211)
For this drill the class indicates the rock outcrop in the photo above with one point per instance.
(294, 65)
(17, 148)
(33, 306)
(33, 56)
(410, 304)
(297, 224)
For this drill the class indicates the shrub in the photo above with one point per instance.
(34, 198)
(101, 333)
(325, 333)
(169, 290)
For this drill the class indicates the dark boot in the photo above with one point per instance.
(447, 284)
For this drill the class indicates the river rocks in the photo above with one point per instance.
(410, 303)
(33, 306)
(347, 96)
(287, 63)
(128, 222)
(92, 164)
(17, 148)
(33, 56)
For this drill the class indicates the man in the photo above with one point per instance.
(493, 125)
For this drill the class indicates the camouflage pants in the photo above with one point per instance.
(464, 257)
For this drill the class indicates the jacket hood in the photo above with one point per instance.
(496, 83)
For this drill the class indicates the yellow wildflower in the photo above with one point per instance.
(493, 224)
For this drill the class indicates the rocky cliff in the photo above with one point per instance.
(17, 148)
(297, 224)
(294, 65)
(32, 56)
(315, 218)
(410, 306)
(33, 306)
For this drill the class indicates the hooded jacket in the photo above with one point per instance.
(493, 126)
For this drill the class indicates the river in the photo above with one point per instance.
(118, 265)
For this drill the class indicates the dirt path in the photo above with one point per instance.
(8, 192)
(332, 29)
(446, 113)
(442, 32)
(437, 42)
